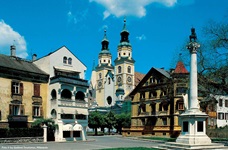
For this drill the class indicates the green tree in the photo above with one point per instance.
(123, 120)
(96, 120)
(110, 120)
(51, 126)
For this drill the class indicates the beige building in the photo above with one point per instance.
(111, 83)
(23, 91)
(157, 101)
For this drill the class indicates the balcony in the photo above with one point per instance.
(36, 99)
(72, 103)
(17, 118)
(17, 97)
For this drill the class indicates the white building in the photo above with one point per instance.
(67, 94)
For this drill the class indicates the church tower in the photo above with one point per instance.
(124, 63)
(105, 87)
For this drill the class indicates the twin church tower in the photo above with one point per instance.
(111, 83)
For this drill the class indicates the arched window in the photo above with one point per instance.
(64, 59)
(119, 69)
(53, 113)
(80, 96)
(129, 69)
(69, 61)
(109, 100)
(53, 94)
(66, 94)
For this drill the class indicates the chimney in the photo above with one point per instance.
(13, 50)
(34, 57)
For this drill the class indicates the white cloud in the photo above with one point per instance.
(8, 37)
(140, 38)
(136, 8)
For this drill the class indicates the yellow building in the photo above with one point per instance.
(157, 102)
(23, 91)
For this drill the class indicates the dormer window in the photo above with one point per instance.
(69, 61)
(64, 59)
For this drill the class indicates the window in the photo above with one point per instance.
(53, 114)
(109, 100)
(80, 117)
(220, 102)
(16, 109)
(185, 126)
(69, 61)
(226, 103)
(226, 116)
(80, 96)
(53, 94)
(37, 90)
(109, 80)
(64, 59)
(66, 134)
(17, 88)
(119, 69)
(99, 75)
(164, 120)
(180, 90)
(221, 116)
(142, 95)
(37, 111)
(181, 106)
(67, 116)
(66, 94)
(129, 69)
(200, 126)
(0, 115)
(76, 134)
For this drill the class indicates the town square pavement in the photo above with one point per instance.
(93, 142)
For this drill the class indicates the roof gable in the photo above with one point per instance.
(152, 72)
(180, 68)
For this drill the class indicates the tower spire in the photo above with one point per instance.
(105, 42)
(124, 33)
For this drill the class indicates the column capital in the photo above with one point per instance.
(193, 46)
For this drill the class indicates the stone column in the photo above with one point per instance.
(45, 132)
(194, 104)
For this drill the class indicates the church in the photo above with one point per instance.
(109, 82)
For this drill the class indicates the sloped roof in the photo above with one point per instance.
(147, 76)
(138, 77)
(19, 64)
(180, 68)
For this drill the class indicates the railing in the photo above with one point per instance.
(17, 118)
(69, 102)
(154, 113)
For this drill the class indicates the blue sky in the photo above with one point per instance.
(158, 28)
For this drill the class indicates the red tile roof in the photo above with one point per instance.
(138, 77)
(180, 68)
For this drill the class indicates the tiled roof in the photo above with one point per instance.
(180, 68)
(19, 64)
(138, 77)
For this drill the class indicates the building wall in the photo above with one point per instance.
(28, 93)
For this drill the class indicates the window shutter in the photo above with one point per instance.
(21, 89)
(10, 109)
(22, 110)
(36, 89)
(12, 92)
(33, 111)
(41, 111)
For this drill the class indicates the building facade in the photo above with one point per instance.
(217, 110)
(23, 91)
(157, 101)
(113, 83)
(67, 94)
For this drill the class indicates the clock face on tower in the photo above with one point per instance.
(119, 79)
(99, 84)
(129, 80)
